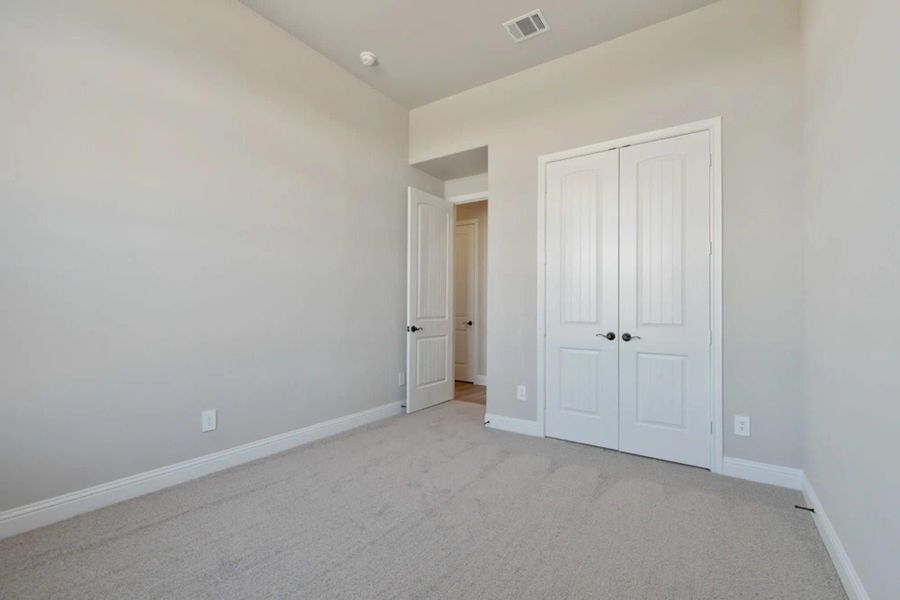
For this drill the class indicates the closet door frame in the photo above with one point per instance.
(714, 127)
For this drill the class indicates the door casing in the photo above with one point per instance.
(714, 127)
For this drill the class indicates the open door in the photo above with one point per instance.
(429, 306)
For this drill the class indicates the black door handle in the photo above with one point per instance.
(628, 337)
(415, 329)
(610, 336)
(470, 323)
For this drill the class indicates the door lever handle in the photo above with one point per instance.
(415, 329)
(628, 337)
(469, 323)
(610, 336)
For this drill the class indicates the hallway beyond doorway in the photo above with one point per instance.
(470, 392)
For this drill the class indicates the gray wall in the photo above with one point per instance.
(736, 59)
(196, 211)
(852, 278)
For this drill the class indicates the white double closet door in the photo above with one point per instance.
(628, 330)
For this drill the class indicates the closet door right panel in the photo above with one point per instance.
(664, 368)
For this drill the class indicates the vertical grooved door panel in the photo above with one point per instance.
(582, 299)
(660, 390)
(430, 368)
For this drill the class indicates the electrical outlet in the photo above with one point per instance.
(742, 425)
(520, 393)
(208, 420)
(401, 378)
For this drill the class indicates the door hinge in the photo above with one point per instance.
(710, 428)
(710, 337)
(710, 248)
(710, 160)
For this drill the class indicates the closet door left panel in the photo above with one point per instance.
(582, 274)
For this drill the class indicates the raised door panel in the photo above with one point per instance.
(579, 382)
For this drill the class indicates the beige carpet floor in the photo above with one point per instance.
(433, 505)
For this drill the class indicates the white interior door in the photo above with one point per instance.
(582, 274)
(429, 338)
(665, 250)
(465, 300)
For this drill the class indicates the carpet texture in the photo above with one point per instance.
(433, 505)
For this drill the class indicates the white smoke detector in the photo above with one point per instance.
(368, 58)
(527, 26)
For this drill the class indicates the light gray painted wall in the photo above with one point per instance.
(735, 59)
(196, 211)
(473, 184)
(479, 210)
(852, 278)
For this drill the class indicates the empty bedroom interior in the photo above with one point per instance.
(251, 251)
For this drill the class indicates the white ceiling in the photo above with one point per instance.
(429, 49)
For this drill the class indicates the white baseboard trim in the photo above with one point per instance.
(513, 425)
(52, 510)
(842, 563)
(481, 380)
(787, 477)
(796, 479)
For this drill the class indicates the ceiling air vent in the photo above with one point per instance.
(527, 26)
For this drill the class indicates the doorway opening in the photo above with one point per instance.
(470, 292)
(448, 266)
